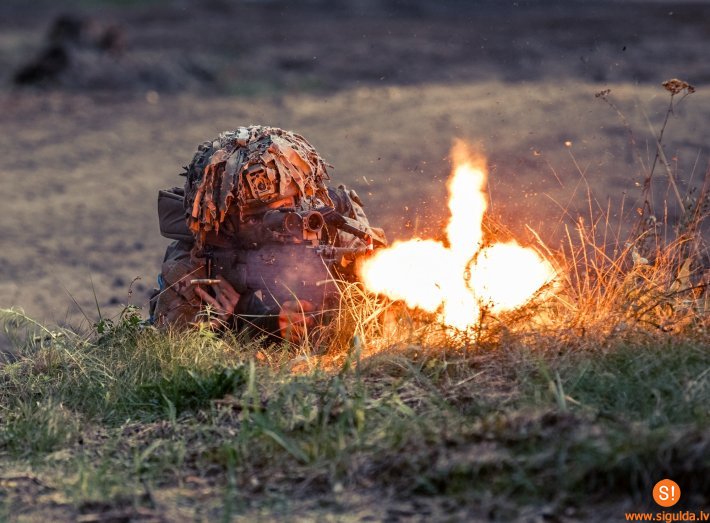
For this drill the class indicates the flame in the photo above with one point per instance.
(458, 281)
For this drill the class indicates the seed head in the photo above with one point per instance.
(675, 86)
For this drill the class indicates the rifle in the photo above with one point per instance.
(286, 256)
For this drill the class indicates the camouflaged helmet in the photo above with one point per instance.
(244, 170)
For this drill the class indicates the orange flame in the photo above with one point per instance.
(458, 281)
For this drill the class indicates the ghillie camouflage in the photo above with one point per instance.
(252, 167)
(224, 227)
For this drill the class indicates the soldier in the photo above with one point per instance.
(259, 237)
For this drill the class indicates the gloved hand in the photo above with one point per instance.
(222, 304)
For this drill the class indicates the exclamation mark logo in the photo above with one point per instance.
(666, 493)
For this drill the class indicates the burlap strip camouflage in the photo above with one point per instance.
(254, 165)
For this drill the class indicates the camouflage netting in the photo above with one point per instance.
(255, 165)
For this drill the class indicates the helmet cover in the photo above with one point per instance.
(253, 166)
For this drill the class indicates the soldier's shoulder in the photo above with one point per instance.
(179, 250)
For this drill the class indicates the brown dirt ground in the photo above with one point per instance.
(381, 88)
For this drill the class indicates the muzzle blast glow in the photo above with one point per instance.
(458, 281)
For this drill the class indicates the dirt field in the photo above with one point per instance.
(381, 88)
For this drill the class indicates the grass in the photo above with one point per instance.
(126, 420)
(573, 407)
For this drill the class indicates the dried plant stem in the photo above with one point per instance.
(660, 154)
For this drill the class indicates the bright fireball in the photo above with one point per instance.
(459, 280)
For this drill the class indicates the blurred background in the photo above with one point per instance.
(103, 101)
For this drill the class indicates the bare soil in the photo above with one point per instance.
(381, 88)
